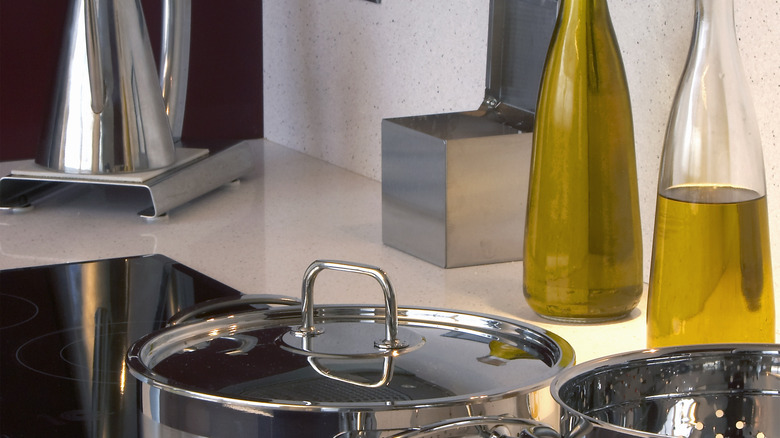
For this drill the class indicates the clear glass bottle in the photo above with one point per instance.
(711, 273)
(583, 246)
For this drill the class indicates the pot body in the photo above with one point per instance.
(320, 371)
(168, 414)
(695, 391)
(506, 372)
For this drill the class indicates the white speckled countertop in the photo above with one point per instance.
(259, 236)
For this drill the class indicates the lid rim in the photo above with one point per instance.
(294, 405)
(556, 353)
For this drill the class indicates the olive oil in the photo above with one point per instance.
(711, 280)
(583, 257)
(710, 272)
(583, 247)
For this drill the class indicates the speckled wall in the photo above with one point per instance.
(333, 69)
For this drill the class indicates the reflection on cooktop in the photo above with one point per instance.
(64, 332)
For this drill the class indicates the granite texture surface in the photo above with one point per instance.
(260, 234)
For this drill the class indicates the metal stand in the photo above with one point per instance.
(194, 174)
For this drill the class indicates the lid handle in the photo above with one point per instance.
(307, 329)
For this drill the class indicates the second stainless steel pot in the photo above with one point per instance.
(718, 391)
(319, 371)
(721, 391)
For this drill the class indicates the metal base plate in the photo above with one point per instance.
(194, 174)
(184, 156)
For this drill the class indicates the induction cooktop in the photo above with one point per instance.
(64, 332)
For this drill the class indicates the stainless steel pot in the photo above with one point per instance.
(691, 391)
(716, 391)
(320, 371)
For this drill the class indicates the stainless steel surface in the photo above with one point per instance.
(174, 60)
(115, 122)
(184, 184)
(108, 114)
(474, 427)
(97, 84)
(307, 329)
(167, 188)
(454, 186)
(689, 391)
(486, 427)
(518, 39)
(268, 390)
(728, 390)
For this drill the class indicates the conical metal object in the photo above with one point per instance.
(114, 122)
(108, 114)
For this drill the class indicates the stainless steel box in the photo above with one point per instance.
(454, 188)
(455, 185)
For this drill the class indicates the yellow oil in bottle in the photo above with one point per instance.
(711, 280)
(583, 245)
(583, 258)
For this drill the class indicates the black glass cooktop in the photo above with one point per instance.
(64, 332)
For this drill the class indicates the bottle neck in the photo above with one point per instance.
(583, 12)
(713, 137)
(714, 23)
(578, 7)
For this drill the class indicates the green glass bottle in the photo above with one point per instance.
(711, 274)
(583, 244)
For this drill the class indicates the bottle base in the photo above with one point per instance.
(584, 320)
(570, 305)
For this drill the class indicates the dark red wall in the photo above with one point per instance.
(225, 87)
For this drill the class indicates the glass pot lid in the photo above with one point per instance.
(349, 355)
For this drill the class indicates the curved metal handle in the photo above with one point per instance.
(307, 327)
(221, 304)
(387, 372)
(581, 428)
(490, 427)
